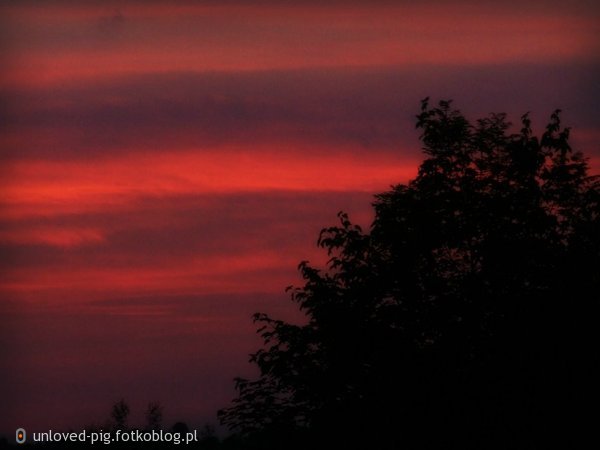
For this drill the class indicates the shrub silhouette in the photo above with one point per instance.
(463, 317)
(154, 416)
(119, 414)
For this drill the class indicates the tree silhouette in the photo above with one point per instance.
(154, 416)
(119, 414)
(462, 318)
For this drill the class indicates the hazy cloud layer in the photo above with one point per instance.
(347, 110)
(218, 243)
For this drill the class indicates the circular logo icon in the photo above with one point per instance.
(20, 435)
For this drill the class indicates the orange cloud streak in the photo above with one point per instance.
(242, 273)
(53, 235)
(45, 188)
(77, 42)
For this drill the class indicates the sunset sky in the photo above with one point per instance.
(164, 167)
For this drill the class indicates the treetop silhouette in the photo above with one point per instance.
(462, 317)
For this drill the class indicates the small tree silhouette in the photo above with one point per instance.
(180, 427)
(463, 318)
(119, 414)
(154, 416)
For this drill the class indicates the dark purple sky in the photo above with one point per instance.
(166, 165)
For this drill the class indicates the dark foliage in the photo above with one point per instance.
(119, 414)
(463, 318)
(154, 415)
